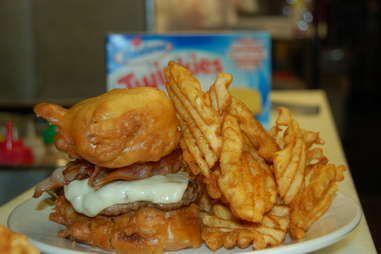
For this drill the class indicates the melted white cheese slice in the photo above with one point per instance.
(157, 189)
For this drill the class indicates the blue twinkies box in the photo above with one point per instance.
(139, 60)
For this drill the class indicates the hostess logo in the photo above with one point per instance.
(136, 50)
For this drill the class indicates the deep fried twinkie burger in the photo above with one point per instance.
(127, 188)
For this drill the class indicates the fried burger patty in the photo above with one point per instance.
(145, 230)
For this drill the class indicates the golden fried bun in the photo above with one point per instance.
(146, 230)
(116, 129)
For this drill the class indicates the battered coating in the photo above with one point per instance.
(116, 129)
(147, 230)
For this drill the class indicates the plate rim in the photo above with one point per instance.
(312, 244)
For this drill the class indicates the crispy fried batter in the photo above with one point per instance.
(116, 129)
(15, 243)
(147, 230)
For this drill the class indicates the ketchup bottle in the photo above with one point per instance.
(12, 151)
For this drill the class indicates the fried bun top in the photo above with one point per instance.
(116, 129)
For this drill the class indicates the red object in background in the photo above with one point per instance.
(13, 151)
(283, 76)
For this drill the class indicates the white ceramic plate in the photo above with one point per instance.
(342, 217)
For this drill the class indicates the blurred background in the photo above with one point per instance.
(54, 50)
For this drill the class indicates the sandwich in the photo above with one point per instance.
(126, 187)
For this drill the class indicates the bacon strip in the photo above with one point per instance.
(54, 181)
(99, 176)
(63, 175)
(168, 164)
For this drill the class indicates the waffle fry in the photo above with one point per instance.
(218, 93)
(187, 88)
(305, 181)
(188, 158)
(218, 232)
(315, 198)
(212, 186)
(296, 155)
(243, 180)
(205, 204)
(290, 161)
(263, 142)
(199, 121)
(190, 142)
(259, 185)
(222, 212)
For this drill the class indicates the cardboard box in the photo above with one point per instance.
(134, 60)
